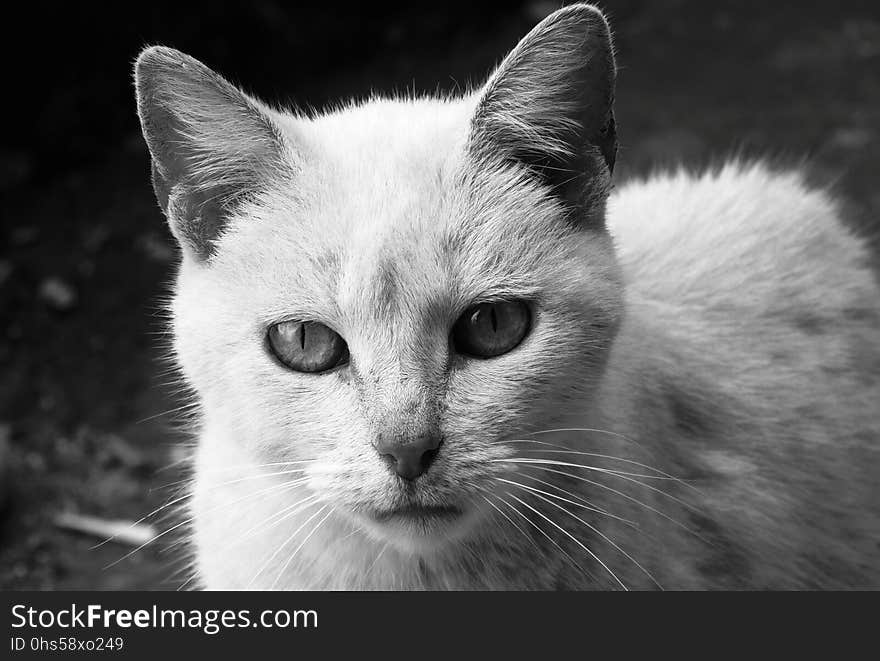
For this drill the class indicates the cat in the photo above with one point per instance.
(433, 349)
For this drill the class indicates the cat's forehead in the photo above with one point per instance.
(389, 217)
(388, 132)
(390, 178)
(378, 169)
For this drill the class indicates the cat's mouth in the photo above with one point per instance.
(421, 528)
(422, 513)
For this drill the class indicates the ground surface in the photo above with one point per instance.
(87, 257)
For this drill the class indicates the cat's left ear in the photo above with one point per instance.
(549, 107)
(212, 146)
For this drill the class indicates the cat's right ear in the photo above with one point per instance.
(212, 146)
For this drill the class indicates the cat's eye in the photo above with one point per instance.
(307, 346)
(491, 329)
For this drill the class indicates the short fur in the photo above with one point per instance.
(695, 406)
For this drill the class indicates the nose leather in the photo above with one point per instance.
(408, 457)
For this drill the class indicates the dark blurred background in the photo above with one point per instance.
(86, 420)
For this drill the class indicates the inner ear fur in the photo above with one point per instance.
(549, 107)
(211, 145)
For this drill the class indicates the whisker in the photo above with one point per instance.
(172, 465)
(230, 468)
(186, 582)
(185, 407)
(253, 465)
(247, 478)
(609, 471)
(622, 476)
(303, 543)
(623, 495)
(631, 524)
(587, 429)
(354, 532)
(284, 514)
(189, 495)
(192, 518)
(281, 547)
(586, 507)
(564, 450)
(573, 538)
(569, 493)
(379, 555)
(513, 523)
(538, 493)
(549, 538)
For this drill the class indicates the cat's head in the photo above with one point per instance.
(397, 291)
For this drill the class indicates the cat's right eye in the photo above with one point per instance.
(307, 346)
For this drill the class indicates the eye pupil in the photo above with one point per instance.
(487, 330)
(323, 350)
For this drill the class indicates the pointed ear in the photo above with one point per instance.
(549, 107)
(212, 146)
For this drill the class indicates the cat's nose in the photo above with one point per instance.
(408, 457)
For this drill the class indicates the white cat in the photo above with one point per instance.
(430, 350)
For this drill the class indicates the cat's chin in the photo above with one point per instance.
(421, 530)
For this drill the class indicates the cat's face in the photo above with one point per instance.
(386, 224)
(389, 257)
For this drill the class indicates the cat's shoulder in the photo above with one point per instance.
(735, 229)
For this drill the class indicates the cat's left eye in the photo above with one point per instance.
(491, 329)
(307, 346)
